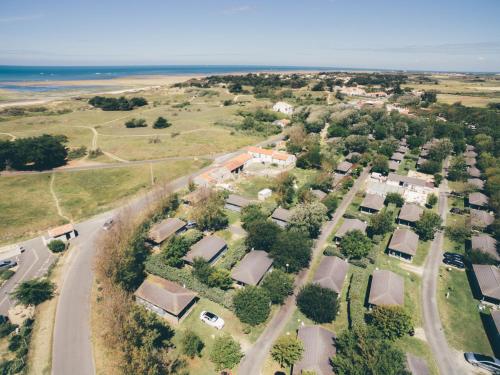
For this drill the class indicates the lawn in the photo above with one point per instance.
(459, 313)
(466, 100)
(422, 251)
(233, 327)
(26, 206)
(250, 186)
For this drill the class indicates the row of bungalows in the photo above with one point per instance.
(398, 156)
(279, 158)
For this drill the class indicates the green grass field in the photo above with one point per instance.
(460, 314)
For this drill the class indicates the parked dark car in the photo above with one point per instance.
(456, 210)
(454, 263)
(454, 256)
(488, 363)
(6, 264)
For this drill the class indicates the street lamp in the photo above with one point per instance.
(287, 267)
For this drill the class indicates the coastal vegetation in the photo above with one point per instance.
(117, 104)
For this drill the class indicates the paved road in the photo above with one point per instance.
(254, 359)
(432, 323)
(72, 347)
(33, 263)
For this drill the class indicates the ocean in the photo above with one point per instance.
(9, 73)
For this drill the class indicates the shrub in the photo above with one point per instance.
(191, 343)
(317, 303)
(34, 292)
(251, 305)
(287, 350)
(56, 246)
(6, 328)
(356, 298)
(161, 123)
(77, 153)
(278, 285)
(355, 244)
(391, 321)
(136, 123)
(233, 255)
(225, 353)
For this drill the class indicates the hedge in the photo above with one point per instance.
(233, 255)
(356, 297)
(156, 266)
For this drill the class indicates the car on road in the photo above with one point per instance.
(6, 264)
(108, 224)
(454, 256)
(454, 263)
(488, 363)
(211, 319)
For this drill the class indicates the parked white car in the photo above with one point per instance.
(211, 319)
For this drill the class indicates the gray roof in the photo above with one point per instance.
(252, 267)
(207, 248)
(319, 347)
(416, 365)
(344, 167)
(237, 200)
(477, 182)
(351, 155)
(373, 201)
(470, 162)
(480, 219)
(319, 194)
(424, 153)
(409, 180)
(349, 225)
(402, 149)
(393, 165)
(397, 156)
(474, 172)
(488, 278)
(478, 199)
(495, 315)
(387, 288)
(421, 161)
(331, 273)
(469, 148)
(404, 241)
(165, 294)
(281, 214)
(486, 244)
(165, 229)
(410, 212)
(470, 154)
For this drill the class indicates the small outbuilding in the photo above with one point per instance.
(252, 268)
(393, 165)
(470, 162)
(474, 172)
(404, 244)
(209, 248)
(331, 273)
(165, 229)
(165, 298)
(410, 213)
(319, 194)
(372, 203)
(397, 157)
(64, 233)
(319, 348)
(488, 282)
(386, 288)
(236, 202)
(264, 194)
(281, 216)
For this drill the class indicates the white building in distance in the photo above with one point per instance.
(283, 107)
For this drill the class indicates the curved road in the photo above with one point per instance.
(434, 332)
(72, 347)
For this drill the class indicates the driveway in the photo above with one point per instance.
(254, 358)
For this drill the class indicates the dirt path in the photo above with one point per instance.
(117, 158)
(56, 200)
(12, 136)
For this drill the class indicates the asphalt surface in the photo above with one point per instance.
(446, 361)
(72, 347)
(255, 357)
(32, 263)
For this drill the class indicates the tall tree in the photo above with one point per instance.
(287, 351)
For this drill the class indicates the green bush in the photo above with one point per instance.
(252, 305)
(6, 328)
(57, 246)
(191, 343)
(156, 266)
(317, 303)
(232, 256)
(278, 285)
(136, 123)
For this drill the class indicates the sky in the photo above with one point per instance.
(452, 35)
